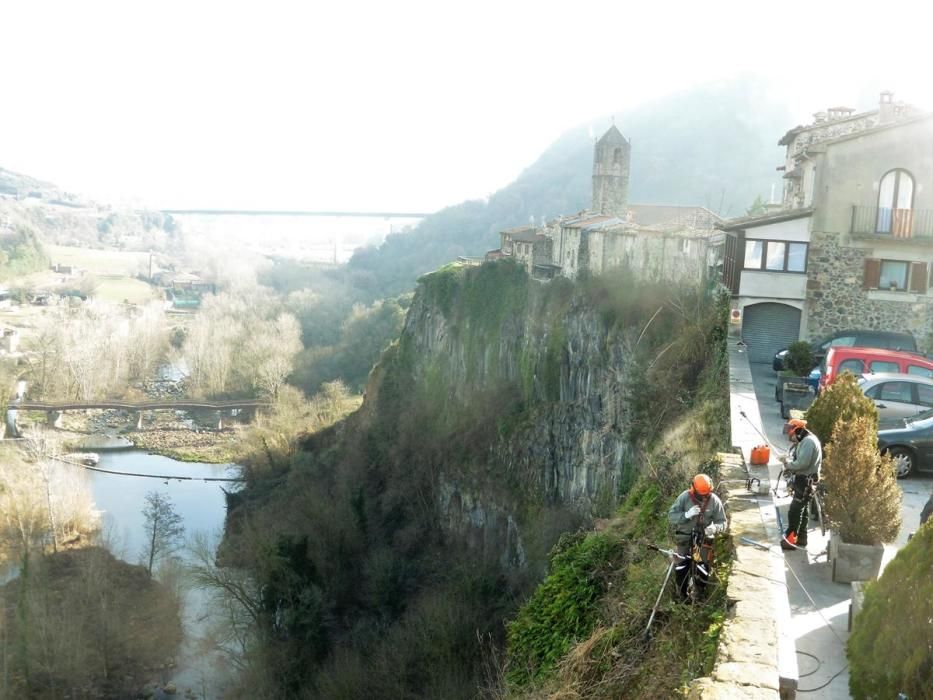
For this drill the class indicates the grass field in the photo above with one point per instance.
(100, 262)
(120, 289)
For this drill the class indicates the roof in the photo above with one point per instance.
(655, 214)
(518, 229)
(913, 115)
(874, 377)
(800, 128)
(879, 127)
(744, 222)
(612, 136)
(584, 220)
(527, 235)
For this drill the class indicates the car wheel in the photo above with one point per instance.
(903, 461)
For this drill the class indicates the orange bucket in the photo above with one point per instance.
(761, 454)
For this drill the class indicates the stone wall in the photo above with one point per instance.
(756, 657)
(747, 658)
(836, 301)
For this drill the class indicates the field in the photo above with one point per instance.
(124, 289)
(100, 262)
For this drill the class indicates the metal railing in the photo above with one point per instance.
(897, 223)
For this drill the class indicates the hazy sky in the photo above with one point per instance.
(391, 105)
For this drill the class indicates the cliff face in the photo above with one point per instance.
(504, 417)
(541, 363)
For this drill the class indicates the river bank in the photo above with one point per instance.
(164, 433)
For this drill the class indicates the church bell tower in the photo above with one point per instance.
(611, 157)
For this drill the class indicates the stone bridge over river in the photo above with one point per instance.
(54, 409)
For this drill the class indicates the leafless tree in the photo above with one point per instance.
(163, 528)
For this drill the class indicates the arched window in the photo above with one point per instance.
(616, 156)
(895, 202)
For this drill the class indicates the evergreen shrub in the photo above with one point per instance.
(843, 400)
(799, 358)
(564, 608)
(889, 650)
(863, 501)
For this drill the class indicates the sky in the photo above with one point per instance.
(392, 106)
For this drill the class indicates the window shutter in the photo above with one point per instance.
(872, 277)
(918, 277)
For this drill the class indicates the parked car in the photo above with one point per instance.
(898, 395)
(860, 361)
(862, 339)
(910, 444)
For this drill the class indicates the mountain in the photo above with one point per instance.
(713, 146)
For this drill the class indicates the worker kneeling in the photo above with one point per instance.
(697, 516)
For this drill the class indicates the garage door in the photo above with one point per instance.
(767, 328)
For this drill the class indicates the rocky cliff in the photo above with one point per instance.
(487, 340)
(507, 413)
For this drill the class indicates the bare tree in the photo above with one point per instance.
(43, 448)
(237, 600)
(163, 528)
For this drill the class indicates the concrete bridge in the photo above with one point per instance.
(292, 213)
(55, 409)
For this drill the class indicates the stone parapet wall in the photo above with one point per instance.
(747, 659)
(836, 300)
(756, 656)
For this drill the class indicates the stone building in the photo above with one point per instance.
(527, 246)
(853, 246)
(611, 158)
(657, 241)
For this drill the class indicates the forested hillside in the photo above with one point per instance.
(713, 146)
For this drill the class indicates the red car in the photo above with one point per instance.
(860, 361)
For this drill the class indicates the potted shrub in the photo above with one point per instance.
(863, 501)
(797, 365)
(843, 400)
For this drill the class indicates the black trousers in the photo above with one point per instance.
(798, 515)
(701, 569)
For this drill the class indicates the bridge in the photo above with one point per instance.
(276, 212)
(54, 409)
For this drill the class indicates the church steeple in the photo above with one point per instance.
(611, 156)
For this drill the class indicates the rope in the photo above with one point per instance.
(164, 477)
(828, 624)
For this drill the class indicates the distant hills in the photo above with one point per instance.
(714, 146)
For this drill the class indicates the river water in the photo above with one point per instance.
(201, 505)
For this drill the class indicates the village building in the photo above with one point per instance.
(656, 241)
(852, 246)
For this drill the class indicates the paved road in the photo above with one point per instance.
(819, 607)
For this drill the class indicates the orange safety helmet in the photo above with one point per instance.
(794, 424)
(702, 485)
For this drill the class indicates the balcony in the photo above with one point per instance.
(896, 223)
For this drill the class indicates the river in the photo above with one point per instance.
(201, 505)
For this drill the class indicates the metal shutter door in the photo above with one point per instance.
(768, 328)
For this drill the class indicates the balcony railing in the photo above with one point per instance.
(897, 223)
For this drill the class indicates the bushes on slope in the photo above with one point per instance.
(889, 650)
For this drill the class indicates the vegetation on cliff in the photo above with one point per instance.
(385, 552)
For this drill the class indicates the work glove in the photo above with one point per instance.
(692, 513)
(711, 530)
(783, 459)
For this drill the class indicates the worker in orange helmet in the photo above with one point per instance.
(697, 516)
(803, 462)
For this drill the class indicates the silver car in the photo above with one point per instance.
(898, 395)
